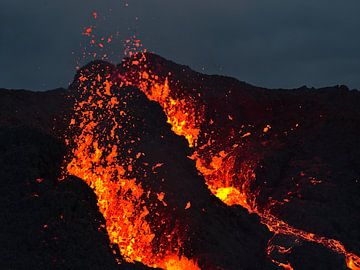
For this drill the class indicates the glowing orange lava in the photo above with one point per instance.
(229, 185)
(184, 123)
(95, 158)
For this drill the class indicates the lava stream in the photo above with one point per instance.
(186, 115)
(97, 159)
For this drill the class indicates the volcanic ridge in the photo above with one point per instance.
(151, 165)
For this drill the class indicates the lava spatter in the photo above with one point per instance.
(103, 156)
(225, 177)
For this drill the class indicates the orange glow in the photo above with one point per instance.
(174, 263)
(353, 262)
(180, 113)
(229, 184)
(286, 266)
(230, 196)
(121, 199)
(267, 128)
(95, 158)
(88, 31)
(219, 175)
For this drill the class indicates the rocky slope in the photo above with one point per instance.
(307, 163)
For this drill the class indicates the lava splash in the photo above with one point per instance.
(103, 155)
(223, 150)
(228, 176)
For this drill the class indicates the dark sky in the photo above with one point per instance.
(271, 43)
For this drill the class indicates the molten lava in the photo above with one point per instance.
(98, 159)
(229, 181)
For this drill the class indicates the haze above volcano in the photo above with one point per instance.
(278, 44)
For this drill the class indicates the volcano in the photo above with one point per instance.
(151, 165)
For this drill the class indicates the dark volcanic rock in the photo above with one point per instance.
(46, 224)
(317, 257)
(40, 110)
(310, 156)
(217, 236)
(312, 151)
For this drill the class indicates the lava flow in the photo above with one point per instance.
(226, 178)
(97, 133)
